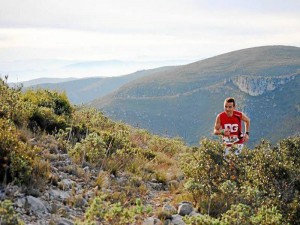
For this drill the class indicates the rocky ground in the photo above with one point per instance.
(64, 199)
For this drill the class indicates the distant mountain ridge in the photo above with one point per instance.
(44, 80)
(185, 100)
(82, 91)
(21, 70)
(259, 61)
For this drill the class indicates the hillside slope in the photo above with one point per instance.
(185, 101)
(61, 164)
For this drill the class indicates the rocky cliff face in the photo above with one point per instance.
(259, 85)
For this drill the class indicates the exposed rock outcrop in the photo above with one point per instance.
(259, 85)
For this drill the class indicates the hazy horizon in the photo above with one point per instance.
(25, 70)
(135, 31)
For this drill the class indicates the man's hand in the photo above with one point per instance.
(226, 132)
(246, 137)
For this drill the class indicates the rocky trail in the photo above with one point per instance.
(65, 198)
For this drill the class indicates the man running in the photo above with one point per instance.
(229, 125)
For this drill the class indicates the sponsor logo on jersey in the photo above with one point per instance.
(231, 127)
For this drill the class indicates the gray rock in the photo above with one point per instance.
(65, 184)
(64, 222)
(177, 220)
(148, 221)
(20, 202)
(195, 214)
(13, 191)
(168, 222)
(156, 186)
(2, 194)
(42, 222)
(169, 209)
(36, 205)
(185, 208)
(58, 194)
(152, 221)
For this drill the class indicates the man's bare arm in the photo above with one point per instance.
(247, 122)
(247, 126)
(217, 128)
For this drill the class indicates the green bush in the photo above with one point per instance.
(45, 119)
(202, 219)
(103, 211)
(246, 183)
(267, 216)
(11, 105)
(8, 216)
(166, 145)
(116, 140)
(238, 214)
(244, 214)
(203, 168)
(92, 149)
(94, 121)
(17, 158)
(58, 102)
(50, 110)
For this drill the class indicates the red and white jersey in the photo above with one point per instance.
(233, 124)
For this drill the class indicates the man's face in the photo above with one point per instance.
(228, 107)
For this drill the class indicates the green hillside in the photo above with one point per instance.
(185, 101)
(61, 164)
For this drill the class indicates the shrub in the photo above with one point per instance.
(45, 119)
(94, 121)
(92, 149)
(7, 214)
(11, 105)
(103, 211)
(267, 216)
(264, 176)
(203, 168)
(273, 174)
(17, 159)
(51, 110)
(238, 214)
(202, 219)
(244, 214)
(166, 145)
(58, 102)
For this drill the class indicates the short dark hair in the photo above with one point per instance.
(230, 99)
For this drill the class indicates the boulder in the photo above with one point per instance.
(185, 208)
(177, 220)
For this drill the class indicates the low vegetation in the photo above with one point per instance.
(261, 186)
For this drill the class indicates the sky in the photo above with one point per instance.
(39, 37)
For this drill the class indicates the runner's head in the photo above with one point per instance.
(230, 99)
(229, 105)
